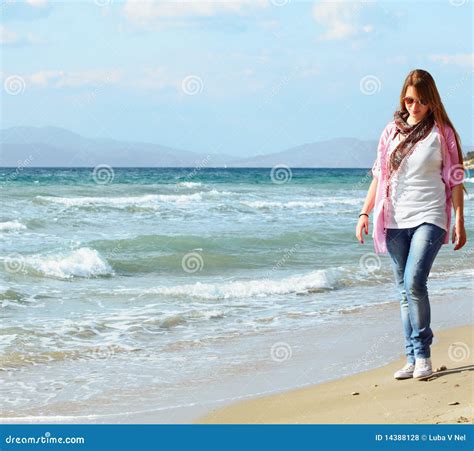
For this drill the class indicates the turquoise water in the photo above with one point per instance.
(141, 272)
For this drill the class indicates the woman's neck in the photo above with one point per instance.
(411, 121)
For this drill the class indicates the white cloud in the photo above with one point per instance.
(7, 36)
(38, 3)
(147, 12)
(341, 18)
(60, 78)
(150, 79)
(310, 71)
(153, 79)
(397, 59)
(461, 59)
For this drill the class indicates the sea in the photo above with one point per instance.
(128, 290)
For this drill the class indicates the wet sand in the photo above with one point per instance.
(374, 396)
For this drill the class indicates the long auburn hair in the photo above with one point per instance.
(426, 88)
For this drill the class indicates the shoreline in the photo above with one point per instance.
(354, 344)
(380, 399)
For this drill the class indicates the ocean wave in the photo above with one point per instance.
(300, 204)
(83, 262)
(189, 184)
(291, 204)
(18, 358)
(144, 201)
(469, 179)
(150, 200)
(323, 279)
(8, 226)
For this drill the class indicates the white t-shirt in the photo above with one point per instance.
(417, 189)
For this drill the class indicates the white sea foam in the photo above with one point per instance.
(325, 202)
(147, 200)
(11, 225)
(189, 184)
(83, 262)
(292, 204)
(323, 278)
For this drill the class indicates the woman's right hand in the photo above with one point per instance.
(362, 226)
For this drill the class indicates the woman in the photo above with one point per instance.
(417, 174)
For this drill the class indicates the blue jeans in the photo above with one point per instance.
(412, 251)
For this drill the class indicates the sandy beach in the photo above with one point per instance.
(374, 397)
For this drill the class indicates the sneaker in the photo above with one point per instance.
(406, 372)
(422, 368)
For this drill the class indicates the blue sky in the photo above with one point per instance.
(238, 77)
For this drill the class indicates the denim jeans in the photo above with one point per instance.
(412, 251)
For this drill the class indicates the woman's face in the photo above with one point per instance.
(416, 109)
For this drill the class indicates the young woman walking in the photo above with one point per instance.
(417, 178)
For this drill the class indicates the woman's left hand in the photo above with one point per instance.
(459, 235)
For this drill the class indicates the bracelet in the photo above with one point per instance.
(363, 214)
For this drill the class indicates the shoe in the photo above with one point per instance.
(406, 372)
(422, 368)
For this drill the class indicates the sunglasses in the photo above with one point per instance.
(410, 100)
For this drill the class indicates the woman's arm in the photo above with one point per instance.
(363, 222)
(459, 232)
(370, 198)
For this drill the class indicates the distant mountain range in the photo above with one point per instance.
(58, 147)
